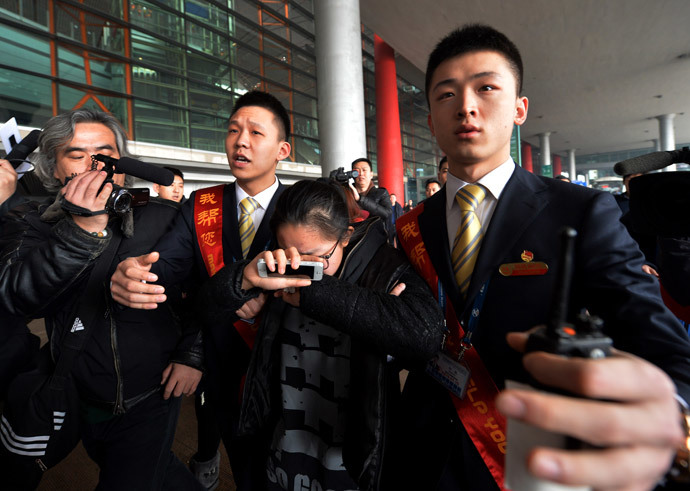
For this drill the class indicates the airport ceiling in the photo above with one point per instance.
(597, 72)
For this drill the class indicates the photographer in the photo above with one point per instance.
(134, 360)
(370, 198)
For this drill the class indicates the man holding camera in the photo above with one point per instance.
(370, 198)
(133, 361)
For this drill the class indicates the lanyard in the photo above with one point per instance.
(473, 321)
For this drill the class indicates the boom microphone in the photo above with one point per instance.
(651, 161)
(137, 168)
(23, 149)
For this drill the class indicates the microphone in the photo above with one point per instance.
(651, 161)
(137, 168)
(21, 150)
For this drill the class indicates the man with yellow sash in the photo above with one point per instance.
(487, 244)
(218, 226)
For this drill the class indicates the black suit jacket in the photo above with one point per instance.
(227, 355)
(608, 281)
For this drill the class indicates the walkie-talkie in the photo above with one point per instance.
(584, 338)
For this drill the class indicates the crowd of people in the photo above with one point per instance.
(386, 366)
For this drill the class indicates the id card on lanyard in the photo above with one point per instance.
(452, 372)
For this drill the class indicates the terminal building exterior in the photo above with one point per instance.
(170, 71)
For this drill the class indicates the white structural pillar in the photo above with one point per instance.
(342, 131)
(667, 136)
(572, 171)
(545, 155)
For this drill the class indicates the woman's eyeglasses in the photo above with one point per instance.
(327, 257)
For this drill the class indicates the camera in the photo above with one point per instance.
(121, 200)
(342, 176)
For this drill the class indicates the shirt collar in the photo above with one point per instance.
(495, 181)
(264, 197)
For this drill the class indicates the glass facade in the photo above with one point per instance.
(170, 70)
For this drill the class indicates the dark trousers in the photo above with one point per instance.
(133, 450)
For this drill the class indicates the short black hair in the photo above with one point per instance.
(471, 38)
(431, 180)
(269, 102)
(443, 160)
(363, 159)
(175, 171)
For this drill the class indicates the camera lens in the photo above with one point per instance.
(120, 202)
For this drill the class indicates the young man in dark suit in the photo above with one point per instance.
(193, 251)
(492, 219)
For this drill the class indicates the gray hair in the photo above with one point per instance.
(59, 130)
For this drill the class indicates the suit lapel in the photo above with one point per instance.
(432, 224)
(520, 203)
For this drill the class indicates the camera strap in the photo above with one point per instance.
(72, 209)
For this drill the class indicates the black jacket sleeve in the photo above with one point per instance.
(377, 202)
(41, 261)
(222, 294)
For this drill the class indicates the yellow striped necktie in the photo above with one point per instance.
(469, 235)
(247, 231)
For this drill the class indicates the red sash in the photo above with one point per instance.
(477, 411)
(680, 311)
(208, 224)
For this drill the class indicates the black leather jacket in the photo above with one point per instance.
(45, 263)
(377, 202)
(409, 327)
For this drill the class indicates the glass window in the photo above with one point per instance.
(157, 123)
(276, 72)
(305, 105)
(208, 132)
(71, 98)
(207, 13)
(249, 60)
(89, 29)
(306, 150)
(24, 50)
(305, 126)
(204, 69)
(245, 33)
(207, 41)
(218, 102)
(153, 51)
(304, 84)
(73, 66)
(303, 61)
(275, 49)
(155, 19)
(31, 12)
(25, 97)
(305, 22)
(276, 24)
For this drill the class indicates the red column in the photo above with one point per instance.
(557, 165)
(527, 157)
(388, 139)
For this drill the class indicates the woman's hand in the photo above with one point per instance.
(276, 262)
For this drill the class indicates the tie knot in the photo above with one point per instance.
(248, 205)
(470, 196)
